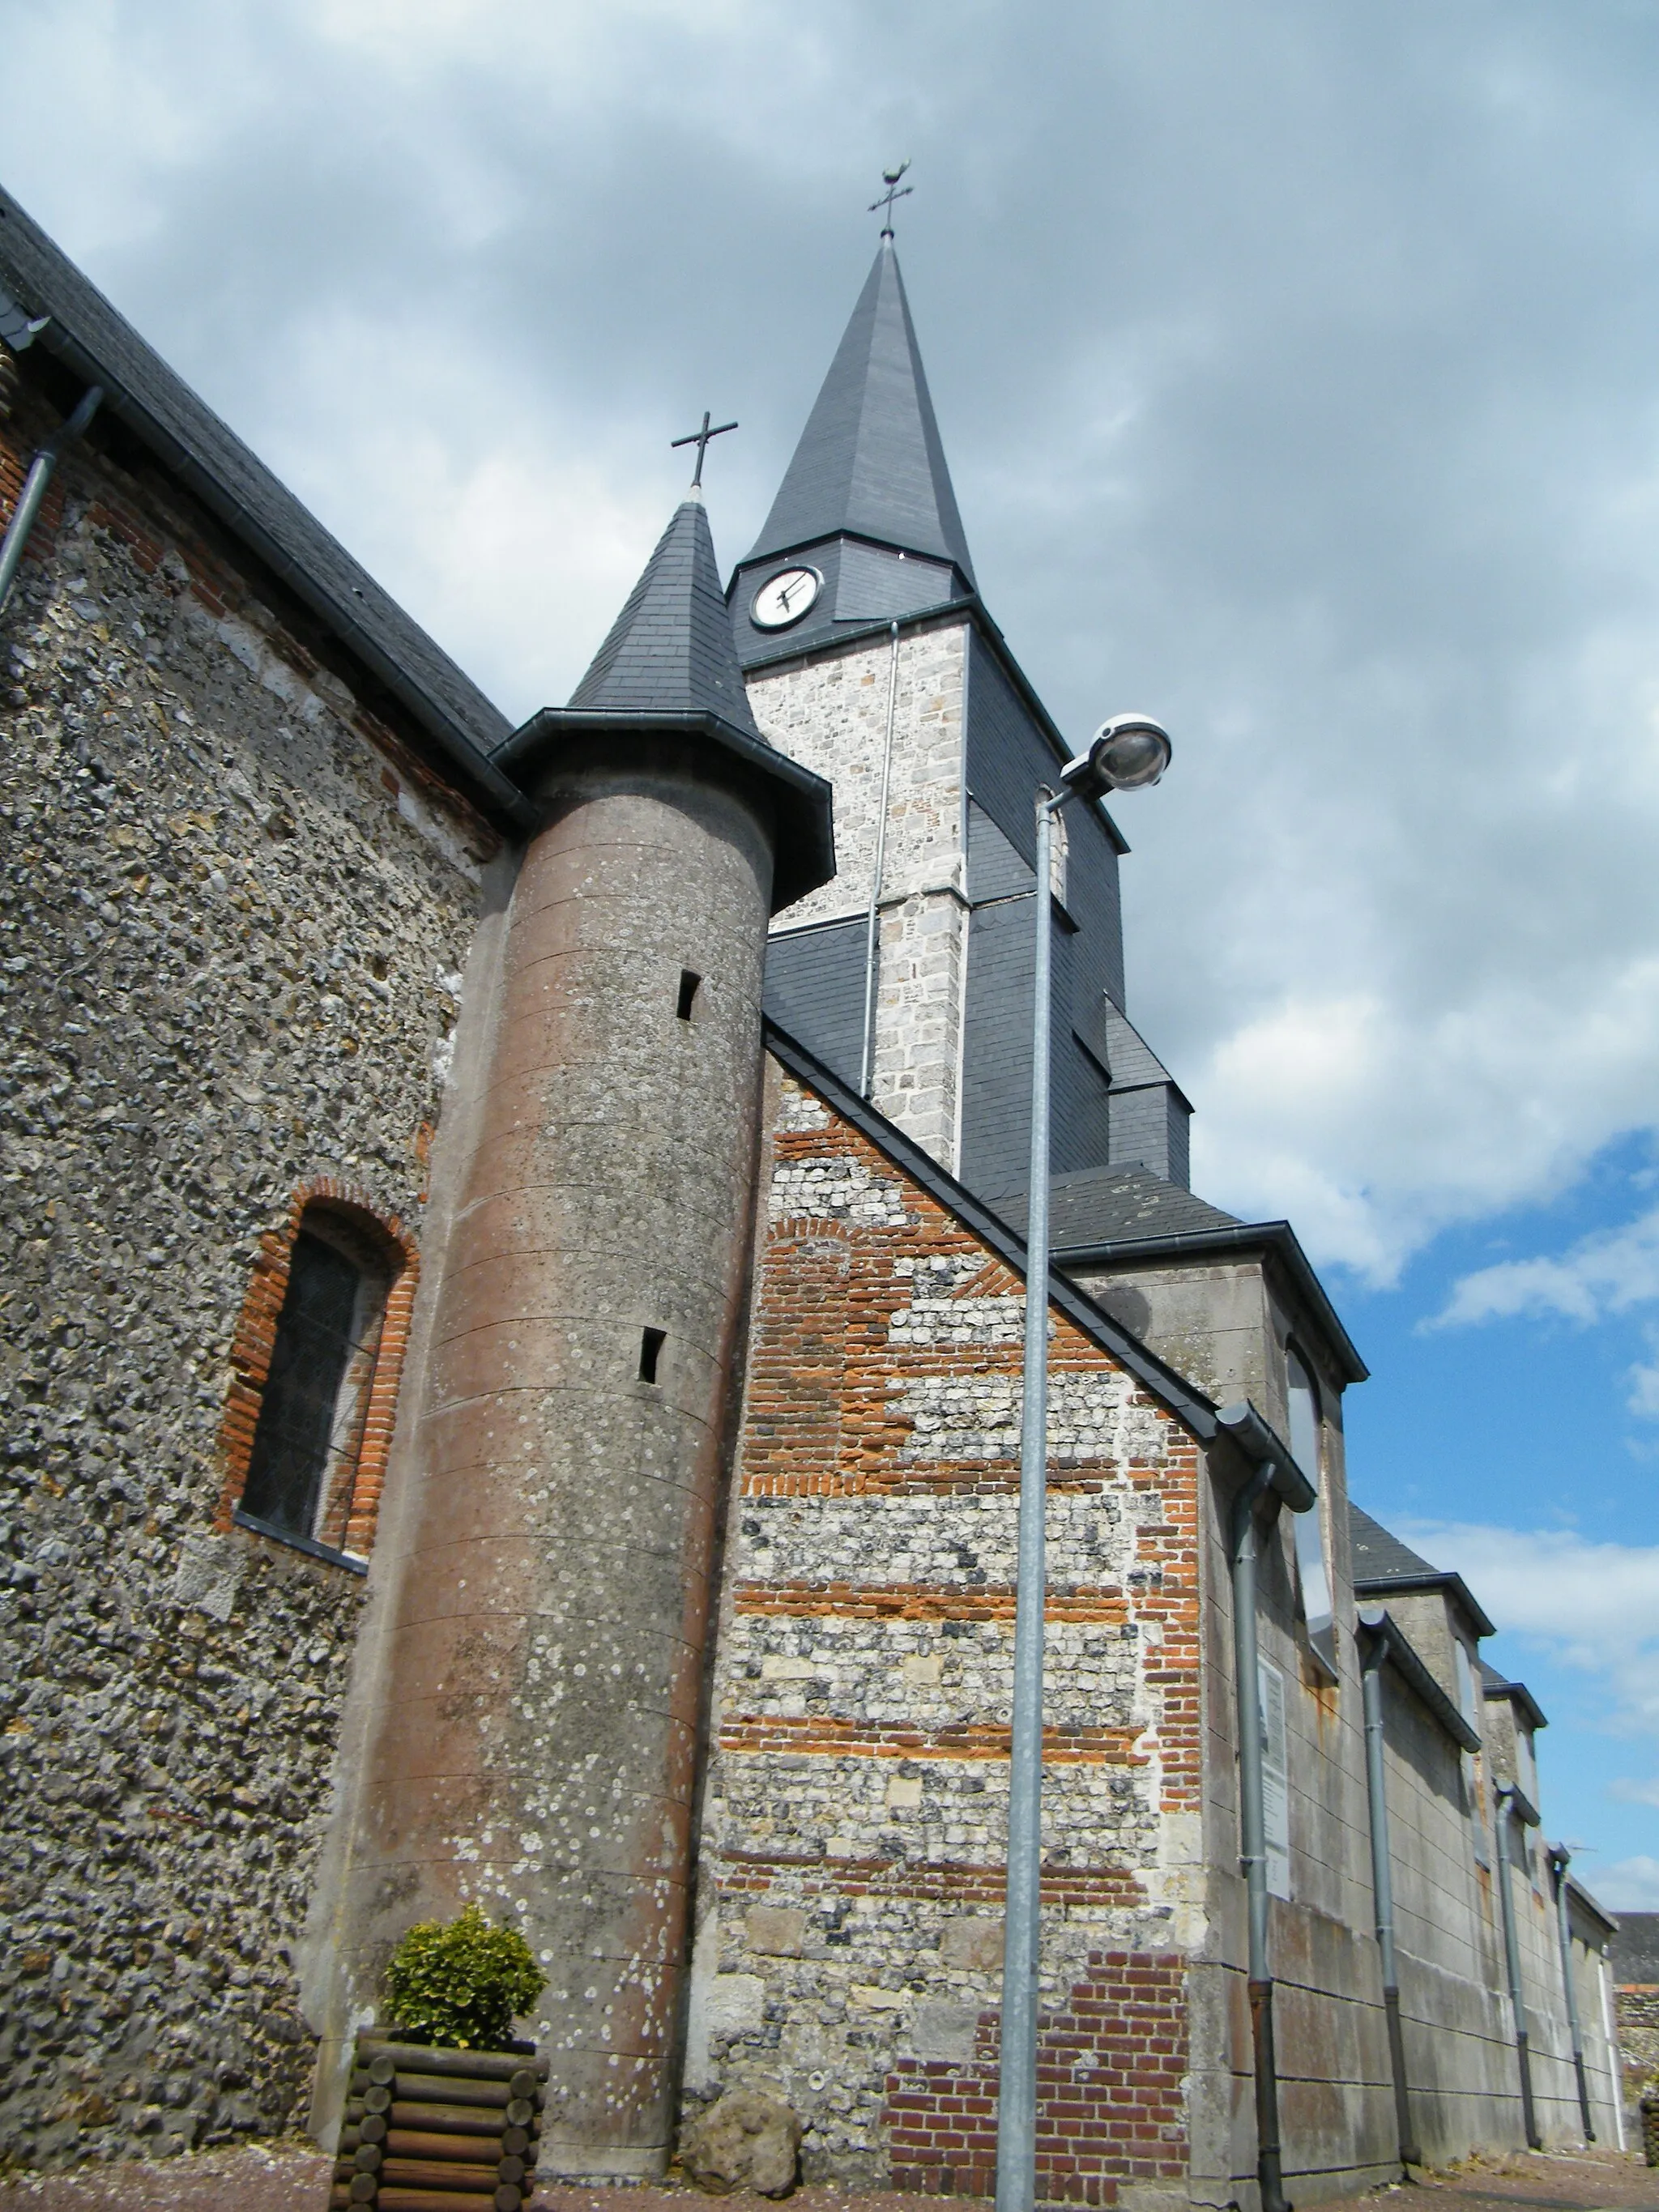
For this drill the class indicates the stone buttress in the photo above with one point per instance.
(533, 1735)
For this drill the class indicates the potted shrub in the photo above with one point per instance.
(446, 2100)
(461, 1983)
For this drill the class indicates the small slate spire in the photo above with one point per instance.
(671, 650)
(870, 463)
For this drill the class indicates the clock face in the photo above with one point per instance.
(785, 598)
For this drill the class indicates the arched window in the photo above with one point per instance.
(1310, 1558)
(318, 1355)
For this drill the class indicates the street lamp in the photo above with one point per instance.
(1127, 753)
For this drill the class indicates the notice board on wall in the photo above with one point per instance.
(1275, 1782)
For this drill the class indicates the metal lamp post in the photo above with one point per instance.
(1127, 753)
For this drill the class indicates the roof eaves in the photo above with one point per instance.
(272, 535)
(1382, 1585)
(804, 799)
(1276, 1236)
(1595, 1910)
(1517, 1693)
(1190, 1406)
(1402, 1655)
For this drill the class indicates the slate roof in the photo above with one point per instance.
(1635, 1949)
(669, 670)
(870, 463)
(98, 345)
(1382, 1562)
(1379, 1556)
(1111, 1205)
(671, 650)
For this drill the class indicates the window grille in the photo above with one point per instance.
(315, 1399)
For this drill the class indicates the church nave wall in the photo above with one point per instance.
(233, 913)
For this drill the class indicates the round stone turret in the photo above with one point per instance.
(531, 1735)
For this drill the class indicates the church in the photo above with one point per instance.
(514, 1270)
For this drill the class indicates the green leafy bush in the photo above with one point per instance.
(462, 1983)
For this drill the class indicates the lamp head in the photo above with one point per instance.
(1127, 753)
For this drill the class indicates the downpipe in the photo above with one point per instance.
(1560, 1859)
(1253, 1857)
(873, 920)
(1374, 1650)
(1512, 1961)
(32, 495)
(1277, 1475)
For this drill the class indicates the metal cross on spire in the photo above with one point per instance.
(700, 439)
(891, 179)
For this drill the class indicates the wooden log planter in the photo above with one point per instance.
(431, 2131)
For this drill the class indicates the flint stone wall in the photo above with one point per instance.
(232, 913)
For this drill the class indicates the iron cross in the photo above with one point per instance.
(891, 179)
(700, 439)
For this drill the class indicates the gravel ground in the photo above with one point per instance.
(292, 2178)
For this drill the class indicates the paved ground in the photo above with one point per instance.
(292, 2178)
(1547, 2181)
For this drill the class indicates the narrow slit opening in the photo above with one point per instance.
(689, 981)
(651, 1343)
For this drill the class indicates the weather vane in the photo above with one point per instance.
(700, 439)
(891, 179)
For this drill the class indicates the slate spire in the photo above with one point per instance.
(669, 650)
(870, 463)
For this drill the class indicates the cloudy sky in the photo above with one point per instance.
(1298, 366)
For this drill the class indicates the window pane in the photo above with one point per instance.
(1309, 1527)
(307, 1365)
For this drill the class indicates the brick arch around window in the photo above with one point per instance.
(349, 1513)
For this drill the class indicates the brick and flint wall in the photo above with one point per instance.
(848, 1945)
(235, 909)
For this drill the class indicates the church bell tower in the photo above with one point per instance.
(870, 656)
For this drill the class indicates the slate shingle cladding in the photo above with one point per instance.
(1636, 1948)
(669, 650)
(1379, 1556)
(870, 463)
(1114, 1205)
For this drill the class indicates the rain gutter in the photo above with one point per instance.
(1276, 1480)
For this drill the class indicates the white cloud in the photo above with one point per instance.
(1644, 1380)
(1267, 423)
(1606, 1273)
(1634, 1793)
(1609, 1272)
(1629, 1885)
(1593, 1607)
(513, 537)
